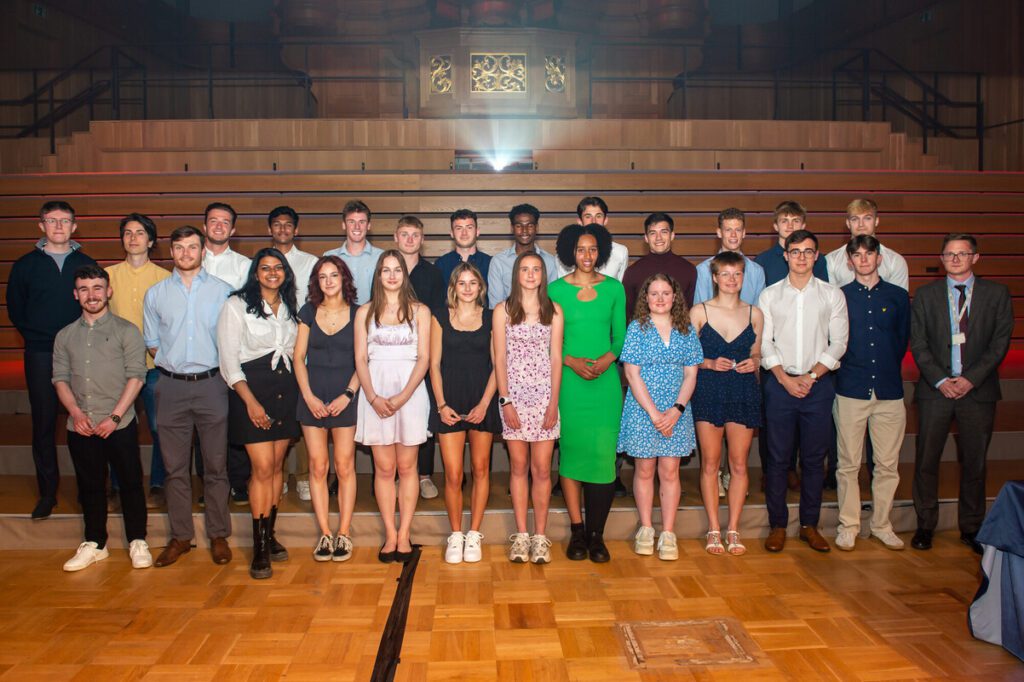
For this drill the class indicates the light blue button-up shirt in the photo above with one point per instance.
(181, 323)
(753, 282)
(499, 274)
(362, 267)
(956, 360)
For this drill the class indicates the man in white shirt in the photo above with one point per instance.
(595, 210)
(218, 258)
(283, 225)
(805, 333)
(232, 267)
(358, 253)
(862, 218)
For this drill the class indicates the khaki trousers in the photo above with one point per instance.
(886, 421)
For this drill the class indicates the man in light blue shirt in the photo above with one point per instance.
(180, 329)
(525, 220)
(731, 230)
(358, 253)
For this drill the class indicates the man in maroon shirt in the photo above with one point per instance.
(659, 231)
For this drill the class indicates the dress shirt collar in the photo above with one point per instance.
(201, 275)
(952, 284)
(369, 249)
(860, 287)
(102, 321)
(811, 285)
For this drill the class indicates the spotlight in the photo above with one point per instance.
(496, 160)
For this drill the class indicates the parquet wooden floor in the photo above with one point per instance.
(867, 615)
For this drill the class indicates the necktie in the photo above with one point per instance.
(962, 288)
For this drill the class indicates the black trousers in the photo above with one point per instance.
(92, 456)
(975, 420)
(43, 399)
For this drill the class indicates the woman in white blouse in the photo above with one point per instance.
(255, 339)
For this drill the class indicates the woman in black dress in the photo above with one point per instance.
(462, 377)
(325, 367)
(255, 339)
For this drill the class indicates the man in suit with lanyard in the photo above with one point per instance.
(960, 332)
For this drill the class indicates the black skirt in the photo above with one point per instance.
(277, 392)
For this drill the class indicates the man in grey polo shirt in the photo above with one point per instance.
(99, 366)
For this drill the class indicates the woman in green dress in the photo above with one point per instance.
(590, 402)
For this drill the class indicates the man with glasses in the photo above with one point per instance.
(862, 218)
(41, 302)
(960, 332)
(805, 334)
(358, 253)
(525, 221)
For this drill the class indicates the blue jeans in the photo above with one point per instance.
(157, 472)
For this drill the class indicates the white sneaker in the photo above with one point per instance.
(428, 490)
(726, 478)
(667, 548)
(519, 551)
(540, 549)
(643, 541)
(456, 545)
(889, 539)
(721, 485)
(88, 553)
(302, 488)
(473, 553)
(324, 549)
(284, 487)
(138, 550)
(846, 539)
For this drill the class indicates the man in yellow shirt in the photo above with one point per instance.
(130, 279)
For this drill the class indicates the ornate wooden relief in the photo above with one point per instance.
(494, 72)
(554, 73)
(441, 74)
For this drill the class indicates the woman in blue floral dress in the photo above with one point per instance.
(661, 354)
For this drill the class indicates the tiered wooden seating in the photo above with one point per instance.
(917, 209)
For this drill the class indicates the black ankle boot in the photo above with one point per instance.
(277, 550)
(577, 549)
(260, 566)
(596, 547)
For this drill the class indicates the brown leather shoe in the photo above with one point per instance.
(812, 537)
(776, 540)
(174, 549)
(220, 550)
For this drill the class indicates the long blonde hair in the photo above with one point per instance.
(378, 298)
(453, 298)
(680, 313)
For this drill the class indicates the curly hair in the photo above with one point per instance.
(251, 293)
(348, 285)
(565, 247)
(680, 313)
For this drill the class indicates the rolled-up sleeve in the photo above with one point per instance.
(134, 353)
(838, 329)
(61, 360)
(230, 327)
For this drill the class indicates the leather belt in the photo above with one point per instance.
(198, 376)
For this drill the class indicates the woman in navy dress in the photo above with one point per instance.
(728, 399)
(325, 367)
(660, 355)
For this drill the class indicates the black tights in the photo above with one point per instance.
(597, 500)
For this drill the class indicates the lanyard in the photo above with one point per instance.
(955, 316)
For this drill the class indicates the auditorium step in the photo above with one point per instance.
(298, 531)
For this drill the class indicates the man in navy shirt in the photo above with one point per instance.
(465, 234)
(790, 216)
(869, 392)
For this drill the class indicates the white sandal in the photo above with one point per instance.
(714, 542)
(733, 544)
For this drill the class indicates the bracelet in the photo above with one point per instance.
(374, 399)
(441, 407)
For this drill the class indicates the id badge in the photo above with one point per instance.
(959, 339)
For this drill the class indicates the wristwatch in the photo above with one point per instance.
(349, 392)
(504, 400)
(813, 375)
(116, 418)
(680, 407)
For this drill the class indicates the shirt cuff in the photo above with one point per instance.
(770, 361)
(941, 381)
(829, 361)
(66, 378)
(232, 378)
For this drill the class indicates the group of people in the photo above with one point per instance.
(385, 349)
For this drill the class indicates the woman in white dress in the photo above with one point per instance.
(392, 344)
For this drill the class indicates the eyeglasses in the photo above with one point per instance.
(63, 222)
(802, 253)
(957, 255)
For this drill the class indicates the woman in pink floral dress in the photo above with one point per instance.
(527, 332)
